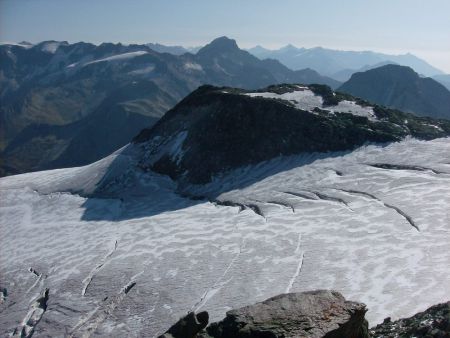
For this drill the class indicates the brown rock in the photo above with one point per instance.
(309, 314)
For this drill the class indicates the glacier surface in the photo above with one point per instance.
(132, 257)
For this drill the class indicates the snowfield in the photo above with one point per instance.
(305, 99)
(373, 224)
(120, 57)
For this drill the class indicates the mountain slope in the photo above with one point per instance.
(443, 79)
(225, 128)
(329, 61)
(400, 87)
(60, 84)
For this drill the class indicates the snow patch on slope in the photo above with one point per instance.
(119, 57)
(193, 66)
(305, 99)
(51, 47)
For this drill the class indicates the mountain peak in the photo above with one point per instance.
(288, 47)
(402, 88)
(220, 45)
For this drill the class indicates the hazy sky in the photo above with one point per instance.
(421, 27)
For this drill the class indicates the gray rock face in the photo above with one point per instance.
(433, 322)
(311, 314)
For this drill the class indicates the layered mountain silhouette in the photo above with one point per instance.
(401, 88)
(336, 63)
(52, 92)
(443, 79)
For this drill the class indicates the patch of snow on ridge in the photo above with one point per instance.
(176, 149)
(25, 45)
(193, 66)
(51, 47)
(305, 99)
(120, 57)
(353, 108)
(143, 71)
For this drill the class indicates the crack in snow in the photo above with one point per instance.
(314, 196)
(406, 167)
(101, 313)
(208, 294)
(33, 316)
(253, 207)
(40, 278)
(283, 204)
(87, 281)
(390, 206)
(299, 265)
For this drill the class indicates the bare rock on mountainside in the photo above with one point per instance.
(312, 314)
(433, 323)
(188, 326)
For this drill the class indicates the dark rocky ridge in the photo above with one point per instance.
(314, 314)
(401, 88)
(224, 129)
(431, 323)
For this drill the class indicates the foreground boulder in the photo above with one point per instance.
(308, 314)
(432, 323)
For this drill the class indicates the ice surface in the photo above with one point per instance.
(150, 255)
(305, 99)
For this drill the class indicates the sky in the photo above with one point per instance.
(421, 27)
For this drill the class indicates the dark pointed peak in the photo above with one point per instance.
(220, 45)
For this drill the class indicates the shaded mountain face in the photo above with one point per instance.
(53, 86)
(331, 62)
(215, 130)
(443, 79)
(346, 74)
(401, 88)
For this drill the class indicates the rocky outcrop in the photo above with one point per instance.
(228, 128)
(188, 326)
(433, 323)
(311, 314)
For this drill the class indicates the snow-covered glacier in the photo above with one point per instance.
(108, 250)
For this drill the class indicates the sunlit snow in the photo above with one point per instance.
(305, 99)
(120, 57)
(372, 224)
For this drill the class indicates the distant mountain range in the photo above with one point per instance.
(401, 88)
(175, 50)
(335, 63)
(69, 104)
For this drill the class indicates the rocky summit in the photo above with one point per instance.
(225, 128)
(311, 314)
